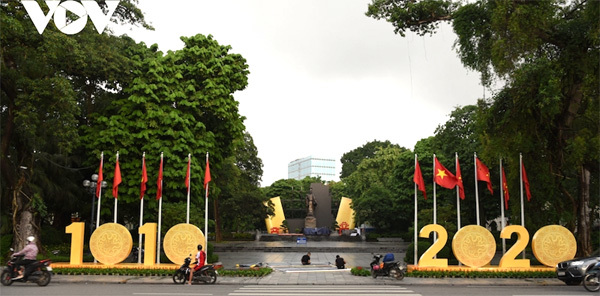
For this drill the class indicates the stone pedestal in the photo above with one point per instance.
(310, 222)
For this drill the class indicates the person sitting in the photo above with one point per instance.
(30, 252)
(306, 259)
(200, 258)
(340, 262)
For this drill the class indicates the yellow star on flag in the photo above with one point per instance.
(441, 174)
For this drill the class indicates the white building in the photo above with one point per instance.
(312, 167)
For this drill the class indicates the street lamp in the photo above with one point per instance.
(91, 187)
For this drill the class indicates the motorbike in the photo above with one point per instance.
(41, 272)
(387, 268)
(206, 273)
(591, 279)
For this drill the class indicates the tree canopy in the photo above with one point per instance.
(547, 54)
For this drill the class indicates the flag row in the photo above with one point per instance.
(445, 178)
(117, 176)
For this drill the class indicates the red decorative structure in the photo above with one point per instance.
(275, 230)
(343, 226)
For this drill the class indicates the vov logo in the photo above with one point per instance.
(58, 9)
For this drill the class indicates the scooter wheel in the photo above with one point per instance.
(5, 278)
(212, 277)
(373, 273)
(44, 278)
(179, 277)
(397, 273)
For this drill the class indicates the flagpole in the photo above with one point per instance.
(521, 186)
(141, 211)
(206, 214)
(502, 206)
(100, 178)
(476, 190)
(116, 199)
(189, 186)
(159, 214)
(415, 230)
(457, 194)
(434, 202)
(99, 192)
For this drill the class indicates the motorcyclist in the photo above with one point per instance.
(30, 252)
(200, 259)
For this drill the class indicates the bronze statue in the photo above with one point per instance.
(311, 203)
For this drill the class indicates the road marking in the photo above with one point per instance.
(191, 294)
(295, 290)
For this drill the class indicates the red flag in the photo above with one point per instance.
(100, 177)
(443, 176)
(159, 180)
(483, 174)
(116, 180)
(206, 176)
(526, 183)
(144, 178)
(505, 187)
(459, 181)
(187, 174)
(418, 179)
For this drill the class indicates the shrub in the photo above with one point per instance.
(359, 271)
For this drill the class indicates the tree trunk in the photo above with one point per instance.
(24, 219)
(584, 247)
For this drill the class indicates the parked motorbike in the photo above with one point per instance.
(41, 272)
(591, 281)
(206, 273)
(387, 268)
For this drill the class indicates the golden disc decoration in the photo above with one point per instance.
(111, 243)
(181, 241)
(553, 244)
(474, 246)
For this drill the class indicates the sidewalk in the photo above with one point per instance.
(309, 278)
(284, 258)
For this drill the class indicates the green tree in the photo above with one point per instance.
(180, 103)
(350, 160)
(240, 202)
(44, 80)
(380, 192)
(547, 54)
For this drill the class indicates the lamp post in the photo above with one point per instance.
(91, 187)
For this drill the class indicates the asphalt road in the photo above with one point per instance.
(67, 289)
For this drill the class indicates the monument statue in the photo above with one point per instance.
(311, 203)
(310, 221)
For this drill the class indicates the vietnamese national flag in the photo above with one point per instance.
(443, 176)
(144, 178)
(116, 180)
(526, 183)
(100, 177)
(206, 175)
(418, 179)
(459, 181)
(483, 174)
(159, 180)
(505, 188)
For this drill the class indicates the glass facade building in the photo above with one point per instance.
(312, 167)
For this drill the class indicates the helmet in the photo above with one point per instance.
(30, 238)
(375, 267)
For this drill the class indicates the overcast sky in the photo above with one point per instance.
(324, 78)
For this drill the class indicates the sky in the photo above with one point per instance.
(324, 78)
